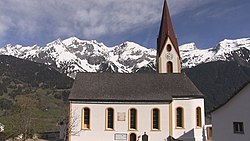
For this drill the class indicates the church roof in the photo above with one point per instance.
(118, 87)
(166, 30)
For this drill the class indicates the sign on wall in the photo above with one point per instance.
(121, 116)
(120, 136)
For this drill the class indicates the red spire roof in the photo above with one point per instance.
(166, 30)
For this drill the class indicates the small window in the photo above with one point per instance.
(156, 119)
(169, 47)
(209, 133)
(132, 119)
(86, 118)
(179, 117)
(238, 127)
(198, 117)
(110, 118)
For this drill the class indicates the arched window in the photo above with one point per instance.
(169, 67)
(198, 117)
(132, 119)
(156, 119)
(109, 118)
(179, 117)
(169, 47)
(85, 118)
(132, 137)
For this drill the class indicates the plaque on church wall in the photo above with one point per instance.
(120, 136)
(121, 116)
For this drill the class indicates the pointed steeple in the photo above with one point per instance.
(166, 31)
(168, 56)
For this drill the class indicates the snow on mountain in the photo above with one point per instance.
(225, 50)
(131, 56)
(73, 55)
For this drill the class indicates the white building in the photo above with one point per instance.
(124, 107)
(1, 127)
(231, 120)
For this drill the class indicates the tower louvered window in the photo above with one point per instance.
(169, 67)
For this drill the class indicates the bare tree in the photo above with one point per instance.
(22, 122)
(71, 123)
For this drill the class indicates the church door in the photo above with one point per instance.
(132, 137)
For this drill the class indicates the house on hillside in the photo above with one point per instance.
(1, 127)
(132, 107)
(231, 120)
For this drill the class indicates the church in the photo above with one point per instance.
(138, 107)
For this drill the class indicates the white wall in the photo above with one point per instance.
(163, 59)
(190, 132)
(1, 127)
(97, 122)
(236, 110)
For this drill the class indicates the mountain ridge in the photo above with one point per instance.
(74, 55)
(223, 51)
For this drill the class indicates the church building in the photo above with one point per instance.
(139, 107)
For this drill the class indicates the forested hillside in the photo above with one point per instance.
(218, 81)
(33, 97)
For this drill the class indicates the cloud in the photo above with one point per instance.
(179, 6)
(219, 11)
(85, 18)
(114, 16)
(4, 25)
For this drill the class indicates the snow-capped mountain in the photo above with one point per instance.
(74, 55)
(226, 50)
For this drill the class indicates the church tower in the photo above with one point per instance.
(168, 56)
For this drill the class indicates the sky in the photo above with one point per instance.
(205, 22)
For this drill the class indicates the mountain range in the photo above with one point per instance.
(73, 55)
(217, 72)
(226, 50)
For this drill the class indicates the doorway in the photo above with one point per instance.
(132, 137)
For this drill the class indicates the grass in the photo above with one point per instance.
(44, 110)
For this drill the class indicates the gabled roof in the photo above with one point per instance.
(166, 30)
(247, 84)
(117, 87)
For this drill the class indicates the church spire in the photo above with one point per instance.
(167, 41)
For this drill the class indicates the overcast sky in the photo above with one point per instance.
(205, 22)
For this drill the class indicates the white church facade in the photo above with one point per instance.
(139, 107)
(111, 107)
